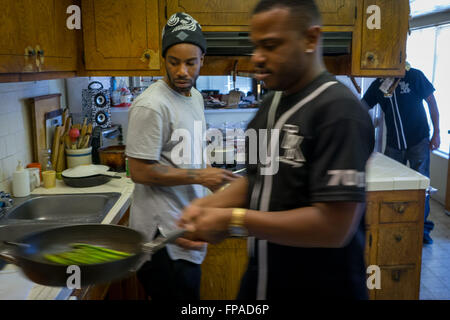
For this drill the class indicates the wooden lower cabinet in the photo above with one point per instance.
(394, 221)
(222, 270)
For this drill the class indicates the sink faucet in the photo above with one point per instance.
(5, 202)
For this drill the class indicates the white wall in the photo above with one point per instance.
(438, 176)
(15, 123)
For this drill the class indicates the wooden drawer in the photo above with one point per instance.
(398, 283)
(400, 211)
(398, 245)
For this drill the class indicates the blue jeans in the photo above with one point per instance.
(419, 160)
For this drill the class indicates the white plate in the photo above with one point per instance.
(85, 171)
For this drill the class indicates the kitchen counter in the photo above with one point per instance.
(14, 285)
(383, 174)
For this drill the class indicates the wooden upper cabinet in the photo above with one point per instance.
(15, 37)
(35, 37)
(121, 35)
(337, 12)
(234, 15)
(216, 15)
(381, 51)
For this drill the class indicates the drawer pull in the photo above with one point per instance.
(396, 275)
(398, 238)
(399, 208)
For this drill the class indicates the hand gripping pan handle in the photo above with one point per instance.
(159, 243)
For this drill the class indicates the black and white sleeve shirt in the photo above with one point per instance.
(325, 139)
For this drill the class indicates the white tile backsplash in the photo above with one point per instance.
(15, 123)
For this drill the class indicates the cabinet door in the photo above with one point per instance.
(222, 270)
(58, 43)
(35, 37)
(385, 48)
(337, 12)
(121, 35)
(16, 35)
(215, 15)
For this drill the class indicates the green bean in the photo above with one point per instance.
(102, 249)
(56, 259)
(86, 254)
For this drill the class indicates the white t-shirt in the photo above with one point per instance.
(156, 121)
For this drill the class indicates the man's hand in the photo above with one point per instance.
(214, 178)
(206, 224)
(435, 141)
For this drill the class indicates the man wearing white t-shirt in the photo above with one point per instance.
(163, 120)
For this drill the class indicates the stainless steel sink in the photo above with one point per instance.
(83, 208)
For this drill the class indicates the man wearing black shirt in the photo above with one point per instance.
(408, 133)
(305, 199)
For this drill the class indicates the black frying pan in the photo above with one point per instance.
(28, 253)
(88, 176)
(89, 181)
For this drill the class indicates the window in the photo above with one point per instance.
(223, 83)
(428, 50)
(420, 7)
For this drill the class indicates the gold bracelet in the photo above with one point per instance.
(237, 217)
(237, 223)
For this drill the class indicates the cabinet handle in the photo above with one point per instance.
(370, 57)
(399, 208)
(147, 56)
(40, 52)
(398, 238)
(396, 275)
(31, 52)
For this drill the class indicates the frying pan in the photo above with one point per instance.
(28, 252)
(87, 176)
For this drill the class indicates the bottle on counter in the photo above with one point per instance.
(48, 172)
(21, 182)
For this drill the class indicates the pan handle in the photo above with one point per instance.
(8, 258)
(161, 241)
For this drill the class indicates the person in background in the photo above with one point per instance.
(164, 187)
(304, 211)
(408, 133)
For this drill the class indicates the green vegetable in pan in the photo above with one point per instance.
(86, 254)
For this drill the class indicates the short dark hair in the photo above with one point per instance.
(305, 13)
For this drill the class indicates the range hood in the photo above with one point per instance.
(238, 43)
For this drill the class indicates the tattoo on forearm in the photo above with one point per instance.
(160, 169)
(191, 174)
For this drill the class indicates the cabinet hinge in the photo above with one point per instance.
(370, 240)
(165, 11)
(356, 12)
(401, 56)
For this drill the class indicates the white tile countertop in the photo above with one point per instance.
(383, 174)
(15, 286)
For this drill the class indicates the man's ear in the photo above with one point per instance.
(312, 39)
(202, 59)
